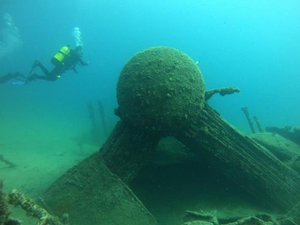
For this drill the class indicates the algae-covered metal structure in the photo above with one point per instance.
(161, 93)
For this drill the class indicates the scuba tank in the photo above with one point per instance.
(60, 56)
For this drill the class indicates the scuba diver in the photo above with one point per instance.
(65, 59)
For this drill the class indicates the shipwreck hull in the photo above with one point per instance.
(248, 163)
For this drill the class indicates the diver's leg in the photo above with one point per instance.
(37, 77)
(6, 78)
(49, 76)
(19, 76)
(57, 71)
(45, 71)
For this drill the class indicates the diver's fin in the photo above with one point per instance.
(19, 82)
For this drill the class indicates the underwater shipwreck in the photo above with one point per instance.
(161, 93)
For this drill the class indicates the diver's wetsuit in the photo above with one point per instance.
(69, 63)
(50, 76)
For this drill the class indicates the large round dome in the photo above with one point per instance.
(161, 89)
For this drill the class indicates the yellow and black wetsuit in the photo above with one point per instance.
(65, 59)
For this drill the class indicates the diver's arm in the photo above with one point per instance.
(82, 63)
(74, 69)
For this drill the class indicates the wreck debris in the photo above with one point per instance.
(155, 97)
(160, 87)
(136, 135)
(257, 121)
(91, 194)
(161, 93)
(204, 132)
(9, 163)
(102, 117)
(197, 223)
(28, 205)
(127, 148)
(222, 91)
(245, 161)
(246, 112)
(207, 218)
(297, 132)
(252, 220)
(202, 216)
(4, 211)
(294, 214)
(284, 149)
(295, 165)
(287, 133)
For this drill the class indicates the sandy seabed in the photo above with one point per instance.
(38, 163)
